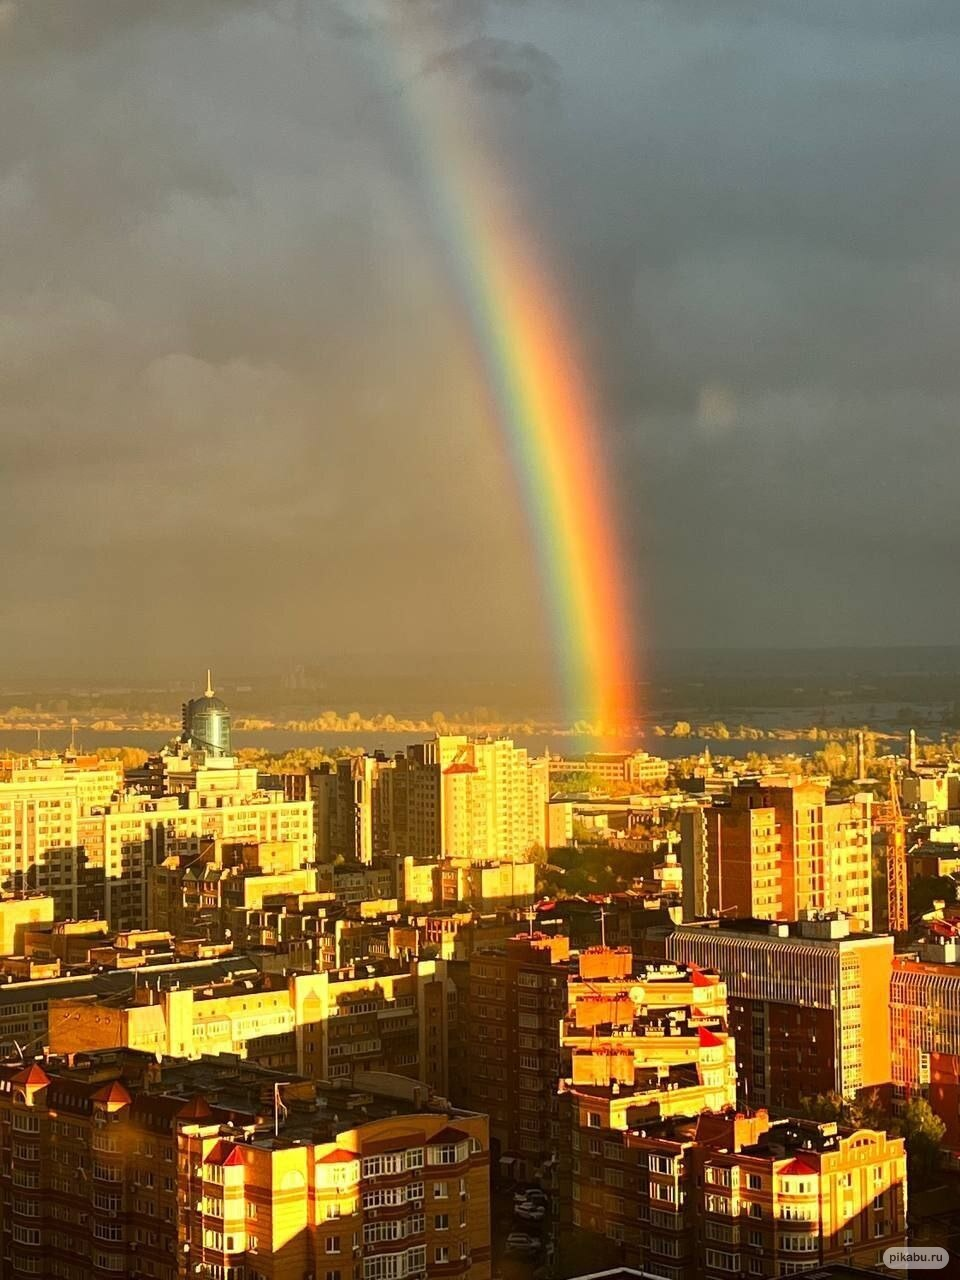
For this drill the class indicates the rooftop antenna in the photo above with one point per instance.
(209, 692)
(278, 1106)
(73, 736)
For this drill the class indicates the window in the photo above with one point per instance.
(879, 1229)
(415, 1158)
(441, 1190)
(448, 1153)
(333, 1244)
(718, 1261)
(441, 1254)
(594, 1120)
(441, 1222)
(661, 1164)
(754, 1181)
(799, 1244)
(878, 1201)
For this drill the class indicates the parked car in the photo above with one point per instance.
(532, 1195)
(519, 1242)
(530, 1212)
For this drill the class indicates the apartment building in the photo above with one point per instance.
(925, 1017)
(478, 799)
(200, 894)
(379, 1184)
(382, 1016)
(517, 999)
(809, 1004)
(114, 1165)
(720, 1195)
(777, 848)
(69, 830)
(640, 1040)
(41, 804)
(26, 1021)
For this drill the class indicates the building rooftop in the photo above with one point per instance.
(829, 931)
(123, 982)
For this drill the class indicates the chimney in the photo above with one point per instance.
(861, 757)
(912, 751)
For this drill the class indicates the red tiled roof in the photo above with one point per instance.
(196, 1109)
(796, 1167)
(707, 1039)
(339, 1155)
(33, 1076)
(700, 979)
(113, 1094)
(224, 1153)
(460, 768)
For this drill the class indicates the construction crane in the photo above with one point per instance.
(897, 921)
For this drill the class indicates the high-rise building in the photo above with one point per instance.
(42, 803)
(455, 796)
(117, 1165)
(517, 999)
(777, 848)
(69, 829)
(359, 823)
(206, 724)
(925, 1015)
(123, 841)
(808, 1004)
(641, 1041)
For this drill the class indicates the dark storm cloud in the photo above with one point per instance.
(233, 376)
(500, 66)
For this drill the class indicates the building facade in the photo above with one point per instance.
(779, 848)
(732, 1195)
(809, 1004)
(115, 1165)
(517, 999)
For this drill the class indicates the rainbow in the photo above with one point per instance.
(528, 362)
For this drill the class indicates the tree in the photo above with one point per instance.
(824, 1106)
(923, 1131)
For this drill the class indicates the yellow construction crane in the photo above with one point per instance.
(897, 921)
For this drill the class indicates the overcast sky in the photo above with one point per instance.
(238, 412)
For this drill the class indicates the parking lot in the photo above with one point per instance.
(522, 1248)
